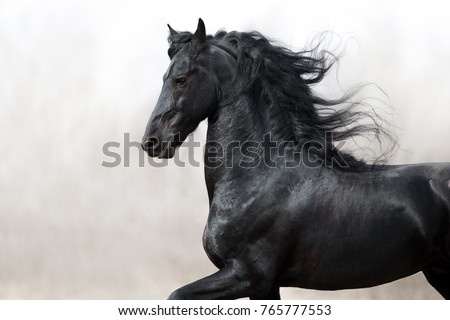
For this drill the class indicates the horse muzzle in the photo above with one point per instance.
(160, 149)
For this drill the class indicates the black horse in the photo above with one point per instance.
(288, 207)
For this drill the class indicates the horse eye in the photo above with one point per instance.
(180, 81)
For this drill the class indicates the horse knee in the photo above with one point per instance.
(235, 280)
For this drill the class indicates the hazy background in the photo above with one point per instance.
(77, 74)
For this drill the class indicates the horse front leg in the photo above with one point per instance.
(273, 294)
(235, 280)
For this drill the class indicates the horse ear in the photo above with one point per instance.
(172, 32)
(200, 34)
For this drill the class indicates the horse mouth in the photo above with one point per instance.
(161, 151)
(166, 153)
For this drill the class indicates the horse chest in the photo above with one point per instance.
(222, 238)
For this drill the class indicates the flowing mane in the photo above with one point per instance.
(277, 77)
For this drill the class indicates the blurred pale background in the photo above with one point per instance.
(77, 74)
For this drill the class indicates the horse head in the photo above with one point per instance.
(190, 93)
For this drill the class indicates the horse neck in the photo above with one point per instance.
(238, 123)
(241, 122)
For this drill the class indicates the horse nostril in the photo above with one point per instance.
(150, 143)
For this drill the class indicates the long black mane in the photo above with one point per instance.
(277, 77)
